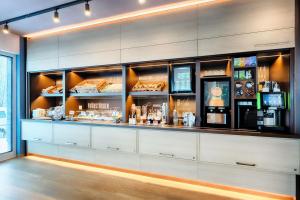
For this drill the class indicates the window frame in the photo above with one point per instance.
(11, 154)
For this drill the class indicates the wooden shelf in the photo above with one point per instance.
(104, 94)
(52, 95)
(244, 68)
(215, 77)
(183, 94)
(148, 93)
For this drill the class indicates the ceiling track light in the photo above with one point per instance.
(142, 1)
(5, 29)
(87, 9)
(56, 17)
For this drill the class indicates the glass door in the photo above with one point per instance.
(7, 130)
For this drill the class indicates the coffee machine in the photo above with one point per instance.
(271, 111)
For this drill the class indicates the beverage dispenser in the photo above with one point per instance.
(217, 103)
(271, 111)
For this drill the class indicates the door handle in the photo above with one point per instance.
(169, 155)
(246, 164)
(113, 148)
(71, 143)
(37, 139)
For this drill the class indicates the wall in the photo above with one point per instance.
(226, 27)
(9, 43)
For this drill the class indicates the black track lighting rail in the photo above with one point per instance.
(47, 10)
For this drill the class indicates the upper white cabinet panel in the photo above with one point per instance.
(42, 65)
(103, 38)
(255, 152)
(42, 48)
(160, 29)
(160, 52)
(90, 59)
(42, 53)
(276, 39)
(246, 16)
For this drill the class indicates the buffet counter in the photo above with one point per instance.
(222, 156)
(176, 128)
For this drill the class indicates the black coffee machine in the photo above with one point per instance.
(271, 111)
(246, 114)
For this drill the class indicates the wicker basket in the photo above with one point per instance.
(113, 87)
(149, 86)
(89, 86)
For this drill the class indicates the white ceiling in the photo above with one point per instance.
(100, 8)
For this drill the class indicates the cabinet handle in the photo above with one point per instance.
(169, 155)
(71, 143)
(113, 148)
(37, 139)
(246, 164)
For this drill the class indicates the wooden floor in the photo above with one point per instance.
(22, 179)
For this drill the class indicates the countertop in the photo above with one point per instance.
(177, 128)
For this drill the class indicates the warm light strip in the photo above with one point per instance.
(122, 17)
(149, 65)
(161, 182)
(182, 63)
(273, 56)
(217, 60)
(95, 70)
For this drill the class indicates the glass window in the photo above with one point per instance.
(5, 104)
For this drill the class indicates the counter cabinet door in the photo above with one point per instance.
(275, 154)
(114, 139)
(72, 135)
(37, 131)
(172, 144)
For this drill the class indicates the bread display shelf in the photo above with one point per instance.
(151, 83)
(51, 90)
(104, 94)
(148, 93)
(149, 86)
(183, 94)
(89, 86)
(52, 95)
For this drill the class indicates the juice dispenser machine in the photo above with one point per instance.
(216, 102)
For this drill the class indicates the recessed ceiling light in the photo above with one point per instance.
(87, 9)
(56, 17)
(142, 1)
(5, 29)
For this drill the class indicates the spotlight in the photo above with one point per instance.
(142, 1)
(5, 29)
(56, 17)
(87, 9)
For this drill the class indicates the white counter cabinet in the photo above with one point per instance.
(275, 154)
(72, 135)
(171, 144)
(114, 139)
(37, 132)
(257, 163)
